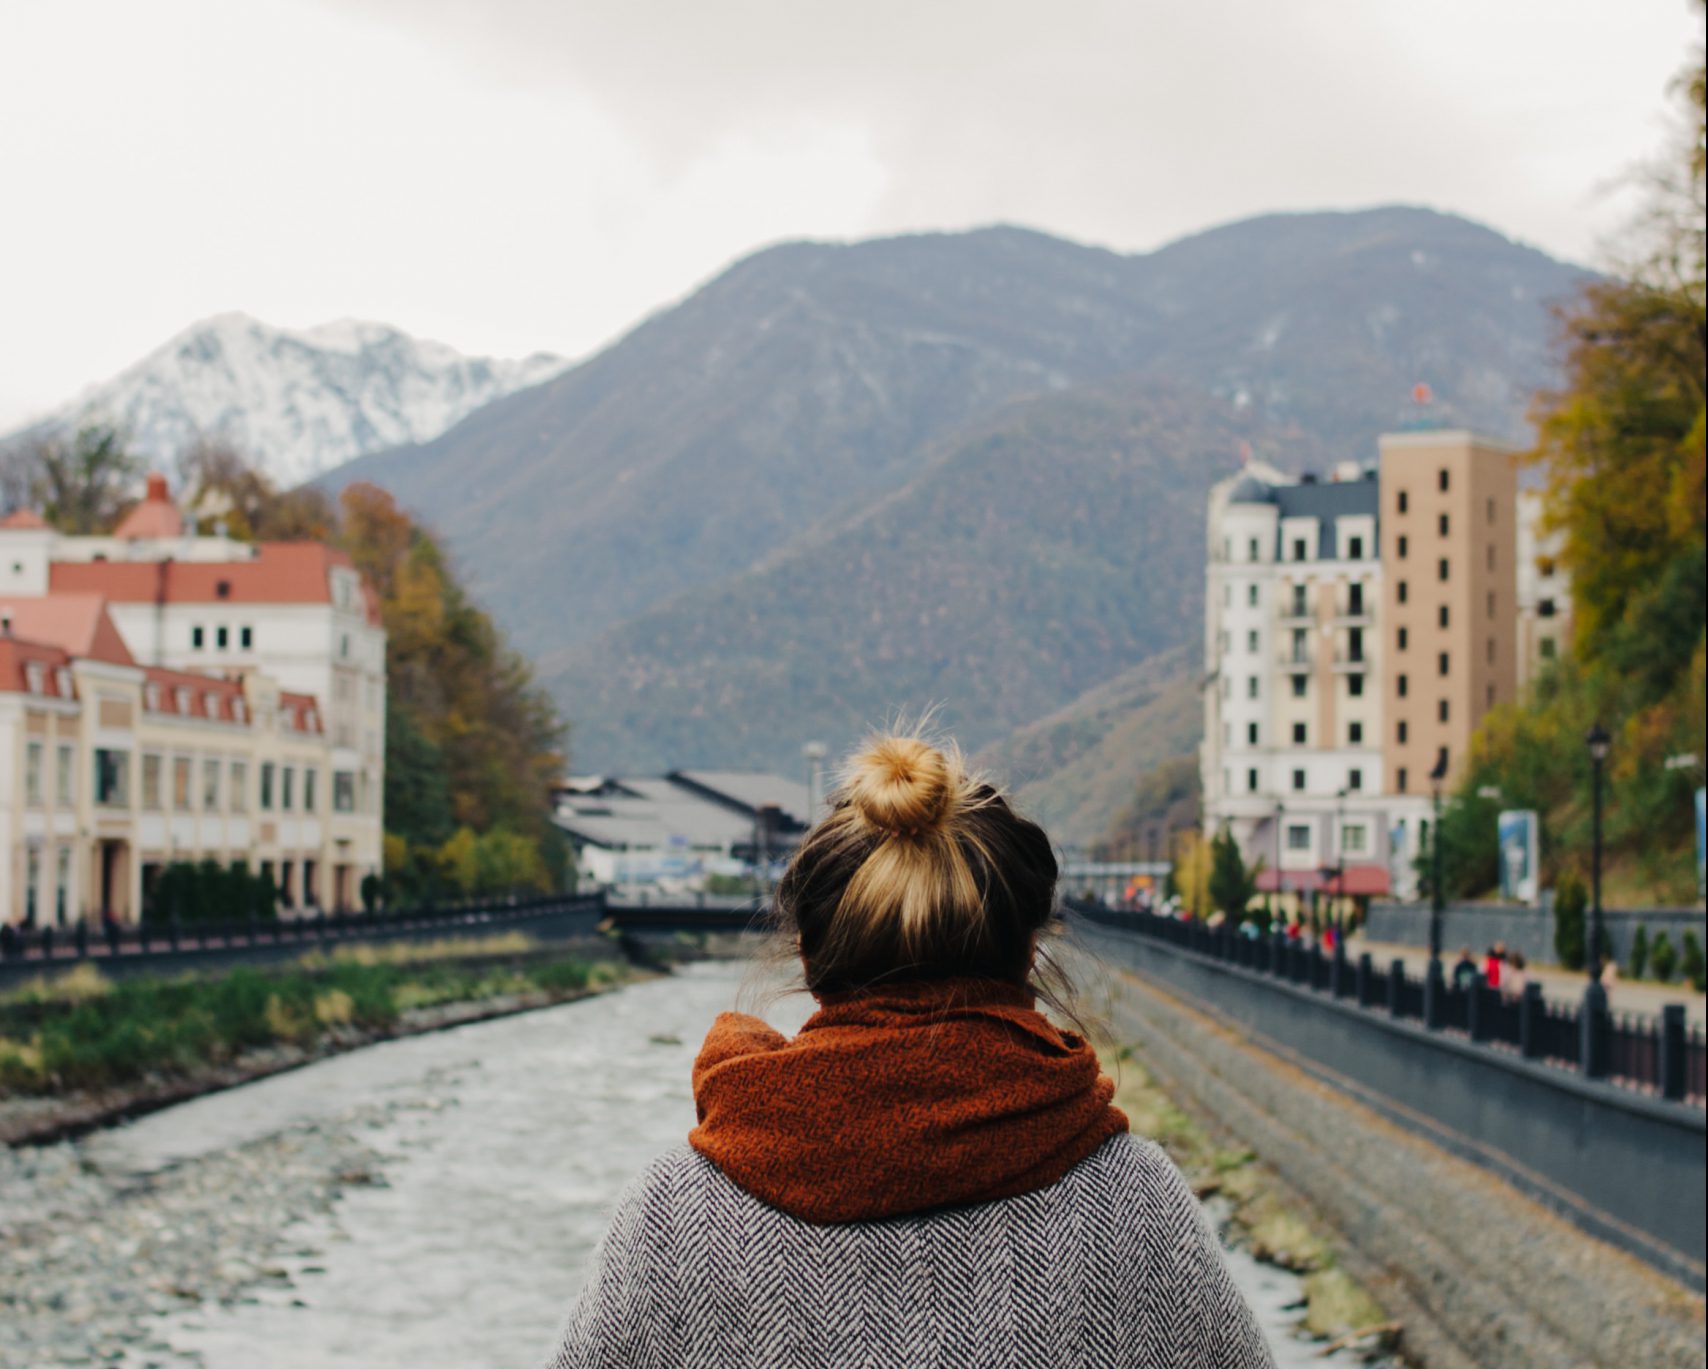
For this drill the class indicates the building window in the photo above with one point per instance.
(1301, 604)
(181, 784)
(112, 778)
(269, 771)
(1546, 648)
(287, 787)
(246, 637)
(1489, 697)
(1298, 548)
(1400, 682)
(1298, 836)
(33, 755)
(1441, 569)
(1251, 641)
(343, 791)
(222, 637)
(1441, 663)
(1402, 501)
(62, 883)
(1355, 548)
(1355, 644)
(64, 772)
(197, 636)
(1400, 591)
(1490, 510)
(1298, 780)
(1401, 638)
(1355, 778)
(1400, 545)
(35, 678)
(240, 786)
(1353, 837)
(309, 774)
(310, 889)
(1355, 734)
(1227, 596)
(181, 701)
(1442, 481)
(1251, 595)
(1355, 599)
(1251, 781)
(1298, 734)
(210, 785)
(32, 883)
(1491, 650)
(1402, 731)
(1301, 647)
(1441, 711)
(1443, 523)
(1251, 687)
(1400, 780)
(1299, 686)
(151, 781)
(1491, 603)
(1441, 616)
(1355, 686)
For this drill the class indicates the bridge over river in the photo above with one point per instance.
(425, 1202)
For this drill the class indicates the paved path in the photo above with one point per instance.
(1558, 986)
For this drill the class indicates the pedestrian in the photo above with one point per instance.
(1492, 963)
(930, 1171)
(1512, 977)
(1465, 970)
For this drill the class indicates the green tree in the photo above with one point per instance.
(1231, 885)
(1664, 958)
(85, 484)
(1570, 935)
(1639, 951)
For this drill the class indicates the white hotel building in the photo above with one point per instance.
(1357, 629)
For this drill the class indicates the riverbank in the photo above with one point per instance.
(1474, 1271)
(78, 1052)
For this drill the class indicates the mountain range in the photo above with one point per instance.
(295, 402)
(953, 471)
(961, 473)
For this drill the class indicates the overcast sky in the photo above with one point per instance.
(516, 175)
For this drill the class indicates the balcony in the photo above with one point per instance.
(1348, 615)
(1295, 663)
(1352, 662)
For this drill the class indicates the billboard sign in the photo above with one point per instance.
(1519, 855)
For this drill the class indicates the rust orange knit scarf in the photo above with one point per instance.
(900, 1099)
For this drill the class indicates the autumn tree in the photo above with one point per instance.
(82, 484)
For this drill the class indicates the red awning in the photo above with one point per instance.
(1368, 880)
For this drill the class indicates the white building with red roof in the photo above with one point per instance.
(253, 681)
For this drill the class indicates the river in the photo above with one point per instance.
(490, 1154)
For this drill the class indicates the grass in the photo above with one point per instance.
(100, 1034)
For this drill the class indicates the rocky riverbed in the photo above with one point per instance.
(422, 1202)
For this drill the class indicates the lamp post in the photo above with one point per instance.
(1434, 983)
(1599, 744)
(1592, 1019)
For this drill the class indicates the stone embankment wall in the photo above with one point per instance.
(1530, 930)
(1477, 1272)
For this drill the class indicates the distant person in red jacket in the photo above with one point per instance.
(1492, 964)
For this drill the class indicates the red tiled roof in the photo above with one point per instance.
(75, 623)
(15, 658)
(155, 517)
(302, 711)
(23, 520)
(281, 573)
(1358, 880)
(204, 696)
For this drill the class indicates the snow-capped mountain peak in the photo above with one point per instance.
(296, 402)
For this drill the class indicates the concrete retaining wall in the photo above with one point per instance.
(1627, 1168)
(1530, 930)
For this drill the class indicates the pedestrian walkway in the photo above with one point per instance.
(1558, 985)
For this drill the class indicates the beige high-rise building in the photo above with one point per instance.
(1450, 596)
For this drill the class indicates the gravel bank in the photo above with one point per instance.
(1478, 1273)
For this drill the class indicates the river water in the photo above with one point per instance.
(498, 1148)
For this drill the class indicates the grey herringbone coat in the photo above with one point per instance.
(1113, 1267)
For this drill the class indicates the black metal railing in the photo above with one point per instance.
(1662, 1056)
(53, 947)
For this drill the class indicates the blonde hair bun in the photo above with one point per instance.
(903, 785)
